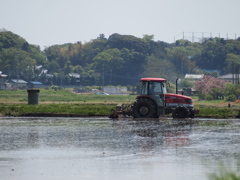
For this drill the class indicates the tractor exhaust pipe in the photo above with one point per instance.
(177, 86)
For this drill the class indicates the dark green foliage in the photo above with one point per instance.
(117, 60)
(231, 98)
(232, 91)
(129, 42)
(17, 57)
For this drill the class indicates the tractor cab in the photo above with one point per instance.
(151, 102)
(155, 88)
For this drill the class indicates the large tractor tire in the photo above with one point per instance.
(181, 112)
(144, 108)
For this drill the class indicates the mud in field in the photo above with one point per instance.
(100, 148)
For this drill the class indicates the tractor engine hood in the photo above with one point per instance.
(177, 99)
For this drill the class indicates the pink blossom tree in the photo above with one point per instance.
(210, 85)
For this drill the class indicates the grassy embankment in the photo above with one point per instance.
(14, 103)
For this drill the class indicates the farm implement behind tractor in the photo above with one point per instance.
(154, 101)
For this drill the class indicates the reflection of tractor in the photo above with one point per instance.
(154, 101)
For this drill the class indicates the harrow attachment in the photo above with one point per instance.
(121, 109)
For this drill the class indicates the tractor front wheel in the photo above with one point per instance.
(192, 114)
(144, 108)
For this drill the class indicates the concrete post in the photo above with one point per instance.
(33, 96)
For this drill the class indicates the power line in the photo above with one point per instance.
(200, 36)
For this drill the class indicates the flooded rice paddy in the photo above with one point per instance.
(101, 148)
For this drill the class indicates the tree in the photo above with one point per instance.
(148, 38)
(161, 68)
(68, 68)
(232, 63)
(108, 61)
(213, 55)
(129, 42)
(16, 60)
(102, 36)
(181, 61)
(210, 86)
(232, 91)
(186, 83)
(53, 66)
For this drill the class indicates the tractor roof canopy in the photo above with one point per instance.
(153, 79)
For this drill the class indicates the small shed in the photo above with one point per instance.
(115, 90)
(195, 77)
(18, 83)
(3, 81)
(76, 76)
(34, 84)
(230, 77)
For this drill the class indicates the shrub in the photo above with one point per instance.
(231, 98)
(208, 97)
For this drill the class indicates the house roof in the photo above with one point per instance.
(19, 81)
(194, 76)
(2, 75)
(35, 83)
(76, 75)
(228, 76)
(49, 75)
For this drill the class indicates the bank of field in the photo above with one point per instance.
(51, 102)
(65, 102)
(62, 96)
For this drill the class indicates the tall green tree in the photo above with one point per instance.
(160, 68)
(232, 64)
(213, 55)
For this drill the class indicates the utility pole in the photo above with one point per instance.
(233, 73)
(111, 78)
(102, 76)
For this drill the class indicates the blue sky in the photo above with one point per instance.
(49, 22)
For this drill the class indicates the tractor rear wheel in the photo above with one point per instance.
(144, 108)
(181, 112)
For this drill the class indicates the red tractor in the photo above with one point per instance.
(154, 101)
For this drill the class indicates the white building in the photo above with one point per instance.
(19, 83)
(115, 90)
(230, 77)
(3, 81)
(196, 77)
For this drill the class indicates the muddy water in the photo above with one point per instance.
(100, 148)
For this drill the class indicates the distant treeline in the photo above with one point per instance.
(117, 60)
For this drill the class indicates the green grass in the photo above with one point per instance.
(64, 96)
(65, 101)
(224, 173)
(83, 109)
(218, 112)
(226, 176)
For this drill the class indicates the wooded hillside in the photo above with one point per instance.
(116, 60)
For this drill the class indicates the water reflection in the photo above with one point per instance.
(110, 149)
(97, 134)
